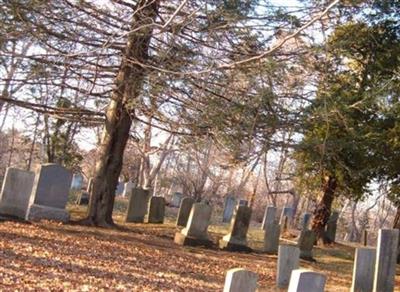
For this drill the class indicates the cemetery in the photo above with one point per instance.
(198, 145)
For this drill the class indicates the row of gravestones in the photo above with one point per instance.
(374, 270)
(36, 195)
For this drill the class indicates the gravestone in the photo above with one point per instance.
(89, 185)
(83, 198)
(363, 270)
(331, 226)
(288, 213)
(236, 240)
(50, 193)
(128, 186)
(120, 188)
(305, 222)
(137, 206)
(156, 210)
(195, 233)
(16, 192)
(240, 280)
(176, 199)
(386, 255)
(271, 237)
(243, 202)
(77, 181)
(269, 216)
(306, 243)
(288, 260)
(306, 281)
(184, 211)
(229, 208)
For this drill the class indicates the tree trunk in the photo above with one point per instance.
(128, 85)
(323, 210)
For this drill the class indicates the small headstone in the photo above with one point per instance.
(128, 186)
(120, 188)
(137, 205)
(269, 216)
(288, 260)
(240, 280)
(288, 213)
(305, 222)
(306, 281)
(16, 192)
(77, 181)
(243, 203)
(89, 185)
(271, 237)
(229, 208)
(386, 255)
(306, 243)
(195, 232)
(363, 271)
(50, 193)
(184, 211)
(83, 198)
(176, 199)
(236, 240)
(156, 210)
(331, 226)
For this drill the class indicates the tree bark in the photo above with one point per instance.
(323, 210)
(128, 85)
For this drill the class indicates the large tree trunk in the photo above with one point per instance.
(323, 210)
(128, 85)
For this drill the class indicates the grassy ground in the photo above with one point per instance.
(139, 257)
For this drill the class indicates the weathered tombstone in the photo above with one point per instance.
(236, 239)
(16, 192)
(184, 211)
(306, 281)
(128, 186)
(305, 222)
(83, 198)
(386, 255)
(120, 188)
(288, 213)
(243, 203)
(77, 181)
(195, 232)
(156, 210)
(176, 199)
(271, 237)
(331, 226)
(363, 270)
(306, 243)
(269, 216)
(137, 205)
(50, 193)
(288, 260)
(229, 208)
(89, 185)
(240, 280)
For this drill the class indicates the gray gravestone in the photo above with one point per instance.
(363, 270)
(236, 240)
(89, 185)
(83, 198)
(229, 208)
(306, 281)
(305, 222)
(184, 211)
(137, 206)
(156, 210)
(128, 186)
(16, 192)
(386, 255)
(176, 199)
(50, 193)
(269, 216)
(306, 243)
(331, 226)
(288, 260)
(120, 188)
(240, 280)
(271, 237)
(195, 232)
(288, 213)
(77, 181)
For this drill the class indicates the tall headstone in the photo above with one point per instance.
(16, 192)
(195, 232)
(137, 205)
(306, 243)
(306, 281)
(288, 260)
(50, 193)
(77, 181)
(176, 199)
(229, 208)
(269, 216)
(236, 239)
(184, 211)
(128, 186)
(386, 255)
(363, 270)
(288, 213)
(331, 226)
(240, 280)
(305, 222)
(120, 188)
(156, 210)
(271, 237)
